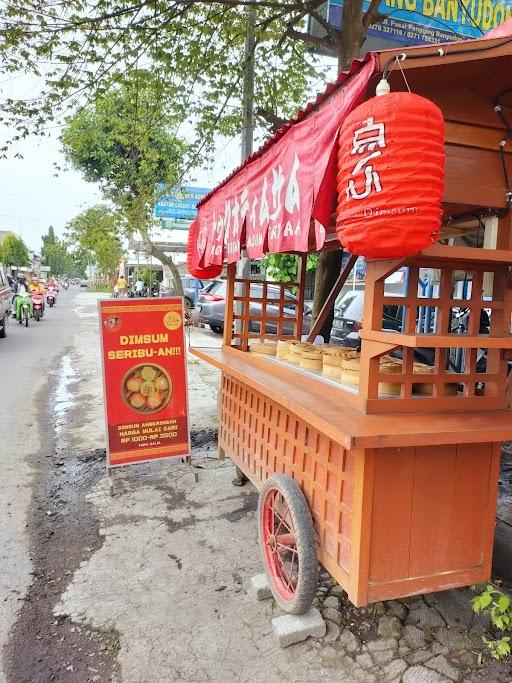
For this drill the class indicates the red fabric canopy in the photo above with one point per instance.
(267, 205)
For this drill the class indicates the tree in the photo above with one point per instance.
(95, 235)
(55, 254)
(122, 142)
(194, 48)
(14, 251)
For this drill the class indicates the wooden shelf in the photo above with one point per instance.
(437, 341)
(327, 409)
(440, 252)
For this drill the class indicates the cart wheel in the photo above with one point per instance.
(288, 544)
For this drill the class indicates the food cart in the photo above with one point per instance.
(387, 477)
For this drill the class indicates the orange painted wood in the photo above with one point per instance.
(433, 518)
(388, 521)
(415, 341)
(228, 323)
(326, 407)
(391, 518)
(480, 137)
(263, 438)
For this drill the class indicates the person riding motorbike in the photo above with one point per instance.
(37, 287)
(22, 293)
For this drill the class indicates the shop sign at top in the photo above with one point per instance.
(178, 202)
(416, 22)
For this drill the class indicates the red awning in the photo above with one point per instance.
(268, 204)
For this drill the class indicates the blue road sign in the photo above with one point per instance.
(415, 22)
(178, 202)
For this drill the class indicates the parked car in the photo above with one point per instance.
(83, 283)
(348, 316)
(192, 288)
(211, 308)
(5, 303)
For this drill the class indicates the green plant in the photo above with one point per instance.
(284, 267)
(495, 603)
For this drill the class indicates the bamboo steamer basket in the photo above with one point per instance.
(310, 359)
(264, 348)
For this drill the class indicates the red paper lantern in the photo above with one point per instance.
(390, 176)
(194, 253)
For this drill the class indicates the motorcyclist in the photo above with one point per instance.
(38, 287)
(22, 291)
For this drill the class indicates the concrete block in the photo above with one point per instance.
(260, 587)
(292, 628)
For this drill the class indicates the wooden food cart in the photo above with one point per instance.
(400, 482)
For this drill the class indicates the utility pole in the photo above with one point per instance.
(243, 267)
(248, 87)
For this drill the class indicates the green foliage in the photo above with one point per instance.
(95, 235)
(284, 267)
(121, 142)
(14, 251)
(147, 275)
(56, 255)
(78, 50)
(498, 606)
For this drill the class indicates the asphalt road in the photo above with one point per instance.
(27, 359)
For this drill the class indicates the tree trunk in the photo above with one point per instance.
(329, 264)
(152, 250)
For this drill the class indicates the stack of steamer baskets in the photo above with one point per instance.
(341, 363)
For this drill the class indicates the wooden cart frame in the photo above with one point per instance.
(402, 490)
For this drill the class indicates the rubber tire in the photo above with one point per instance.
(3, 328)
(25, 313)
(51, 304)
(37, 315)
(216, 328)
(307, 583)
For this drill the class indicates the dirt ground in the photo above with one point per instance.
(152, 584)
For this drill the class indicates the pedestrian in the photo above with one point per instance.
(139, 288)
(122, 286)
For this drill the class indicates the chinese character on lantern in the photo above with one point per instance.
(368, 140)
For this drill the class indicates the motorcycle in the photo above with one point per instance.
(65, 284)
(38, 305)
(23, 309)
(51, 297)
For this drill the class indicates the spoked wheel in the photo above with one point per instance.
(288, 544)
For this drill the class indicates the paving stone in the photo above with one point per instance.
(425, 617)
(419, 656)
(454, 606)
(292, 628)
(420, 674)
(337, 591)
(349, 642)
(394, 670)
(364, 660)
(382, 644)
(444, 667)
(467, 659)
(415, 637)
(332, 614)
(384, 657)
(439, 649)
(379, 609)
(332, 633)
(396, 609)
(453, 639)
(260, 587)
(389, 627)
(365, 676)
(331, 601)
(403, 649)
